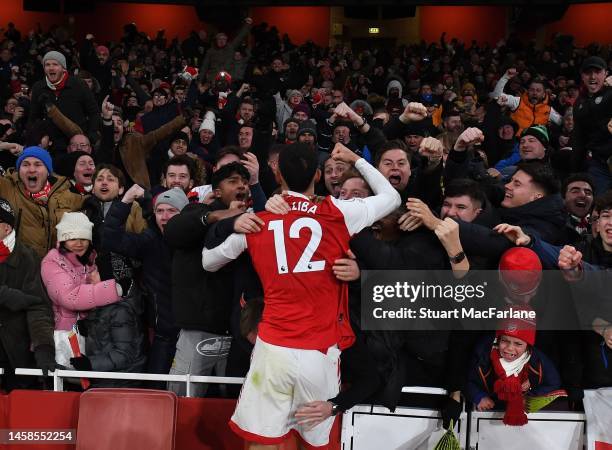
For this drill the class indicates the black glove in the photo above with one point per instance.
(45, 358)
(451, 411)
(46, 99)
(81, 363)
(82, 327)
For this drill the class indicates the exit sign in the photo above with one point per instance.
(373, 30)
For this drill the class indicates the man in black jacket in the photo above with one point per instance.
(150, 248)
(591, 115)
(202, 301)
(70, 94)
(26, 319)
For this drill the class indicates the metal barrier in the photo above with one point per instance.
(407, 425)
(59, 375)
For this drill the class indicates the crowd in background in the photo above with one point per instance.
(121, 160)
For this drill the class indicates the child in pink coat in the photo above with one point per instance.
(70, 275)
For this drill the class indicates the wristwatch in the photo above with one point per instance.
(204, 218)
(335, 409)
(457, 258)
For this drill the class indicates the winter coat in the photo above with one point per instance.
(543, 375)
(65, 278)
(75, 101)
(32, 326)
(590, 134)
(156, 256)
(130, 154)
(35, 223)
(115, 339)
(544, 218)
(201, 300)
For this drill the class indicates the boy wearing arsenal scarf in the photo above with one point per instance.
(507, 368)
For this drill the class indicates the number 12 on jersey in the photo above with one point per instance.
(304, 264)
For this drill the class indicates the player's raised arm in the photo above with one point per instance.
(215, 258)
(363, 212)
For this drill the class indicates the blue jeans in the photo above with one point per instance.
(160, 359)
(600, 173)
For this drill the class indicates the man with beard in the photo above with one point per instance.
(290, 130)
(453, 126)
(39, 197)
(239, 110)
(178, 171)
(592, 113)
(70, 94)
(531, 108)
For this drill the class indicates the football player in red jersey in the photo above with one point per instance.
(305, 319)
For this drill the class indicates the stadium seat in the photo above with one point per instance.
(126, 419)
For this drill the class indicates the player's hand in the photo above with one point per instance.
(414, 112)
(248, 223)
(608, 81)
(344, 154)
(313, 413)
(515, 234)
(346, 269)
(468, 137)
(277, 205)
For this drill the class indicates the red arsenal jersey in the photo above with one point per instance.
(306, 307)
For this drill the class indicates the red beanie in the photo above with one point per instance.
(520, 270)
(523, 329)
(102, 49)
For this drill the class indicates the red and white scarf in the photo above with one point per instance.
(510, 377)
(6, 246)
(42, 197)
(59, 85)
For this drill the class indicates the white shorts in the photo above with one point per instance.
(280, 380)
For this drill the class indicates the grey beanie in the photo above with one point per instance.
(57, 56)
(174, 197)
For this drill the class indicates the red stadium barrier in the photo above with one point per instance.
(201, 423)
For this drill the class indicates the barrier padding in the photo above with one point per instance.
(43, 410)
(201, 423)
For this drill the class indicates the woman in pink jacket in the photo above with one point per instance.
(70, 275)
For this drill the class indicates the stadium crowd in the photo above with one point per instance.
(122, 161)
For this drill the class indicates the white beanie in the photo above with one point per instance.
(74, 225)
(208, 123)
